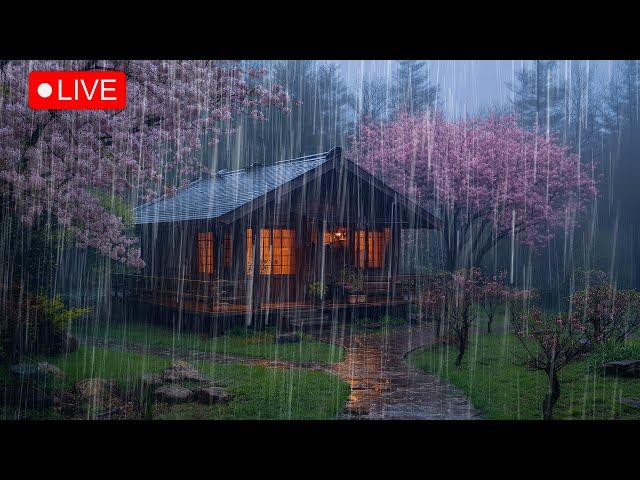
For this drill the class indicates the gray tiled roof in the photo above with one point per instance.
(221, 194)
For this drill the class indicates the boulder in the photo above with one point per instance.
(152, 380)
(633, 402)
(212, 395)
(356, 410)
(24, 372)
(182, 371)
(622, 368)
(282, 338)
(173, 394)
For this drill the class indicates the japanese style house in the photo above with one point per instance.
(250, 242)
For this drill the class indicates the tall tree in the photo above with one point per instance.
(486, 179)
(370, 99)
(70, 166)
(413, 91)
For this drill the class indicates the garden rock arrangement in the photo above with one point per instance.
(166, 386)
(622, 368)
(96, 398)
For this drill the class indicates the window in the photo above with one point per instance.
(277, 251)
(228, 249)
(375, 243)
(249, 251)
(360, 252)
(205, 252)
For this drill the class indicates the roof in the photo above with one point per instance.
(224, 192)
(210, 198)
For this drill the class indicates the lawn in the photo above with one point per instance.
(498, 385)
(238, 342)
(260, 392)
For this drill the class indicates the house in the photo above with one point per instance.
(250, 242)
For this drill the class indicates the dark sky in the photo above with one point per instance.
(466, 86)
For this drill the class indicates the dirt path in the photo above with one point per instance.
(383, 384)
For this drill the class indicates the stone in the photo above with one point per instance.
(24, 371)
(46, 368)
(633, 402)
(622, 368)
(182, 371)
(95, 388)
(282, 338)
(152, 379)
(173, 394)
(212, 395)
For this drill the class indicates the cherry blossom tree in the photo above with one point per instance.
(487, 179)
(551, 342)
(63, 164)
(462, 292)
(493, 293)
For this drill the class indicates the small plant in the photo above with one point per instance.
(317, 291)
(351, 280)
(493, 293)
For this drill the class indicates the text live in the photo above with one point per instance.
(90, 90)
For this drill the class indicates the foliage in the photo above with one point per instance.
(497, 383)
(52, 161)
(54, 311)
(318, 290)
(350, 279)
(486, 178)
(493, 293)
(606, 312)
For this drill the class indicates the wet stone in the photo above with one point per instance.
(173, 394)
(212, 395)
(182, 371)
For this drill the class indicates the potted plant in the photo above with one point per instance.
(352, 283)
(317, 292)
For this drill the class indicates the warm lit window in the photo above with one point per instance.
(360, 248)
(335, 237)
(205, 252)
(375, 244)
(249, 251)
(228, 249)
(277, 251)
(375, 250)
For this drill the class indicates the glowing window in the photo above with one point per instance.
(360, 248)
(205, 252)
(249, 251)
(376, 243)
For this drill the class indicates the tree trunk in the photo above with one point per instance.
(462, 345)
(552, 395)
(489, 322)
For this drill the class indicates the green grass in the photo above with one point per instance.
(260, 392)
(238, 342)
(498, 385)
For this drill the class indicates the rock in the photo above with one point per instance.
(152, 379)
(173, 394)
(25, 371)
(282, 338)
(50, 369)
(182, 371)
(633, 402)
(213, 395)
(622, 368)
(95, 393)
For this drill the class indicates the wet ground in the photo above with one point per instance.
(383, 384)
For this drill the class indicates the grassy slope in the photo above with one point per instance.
(258, 344)
(497, 384)
(261, 393)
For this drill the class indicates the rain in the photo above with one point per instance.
(323, 240)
